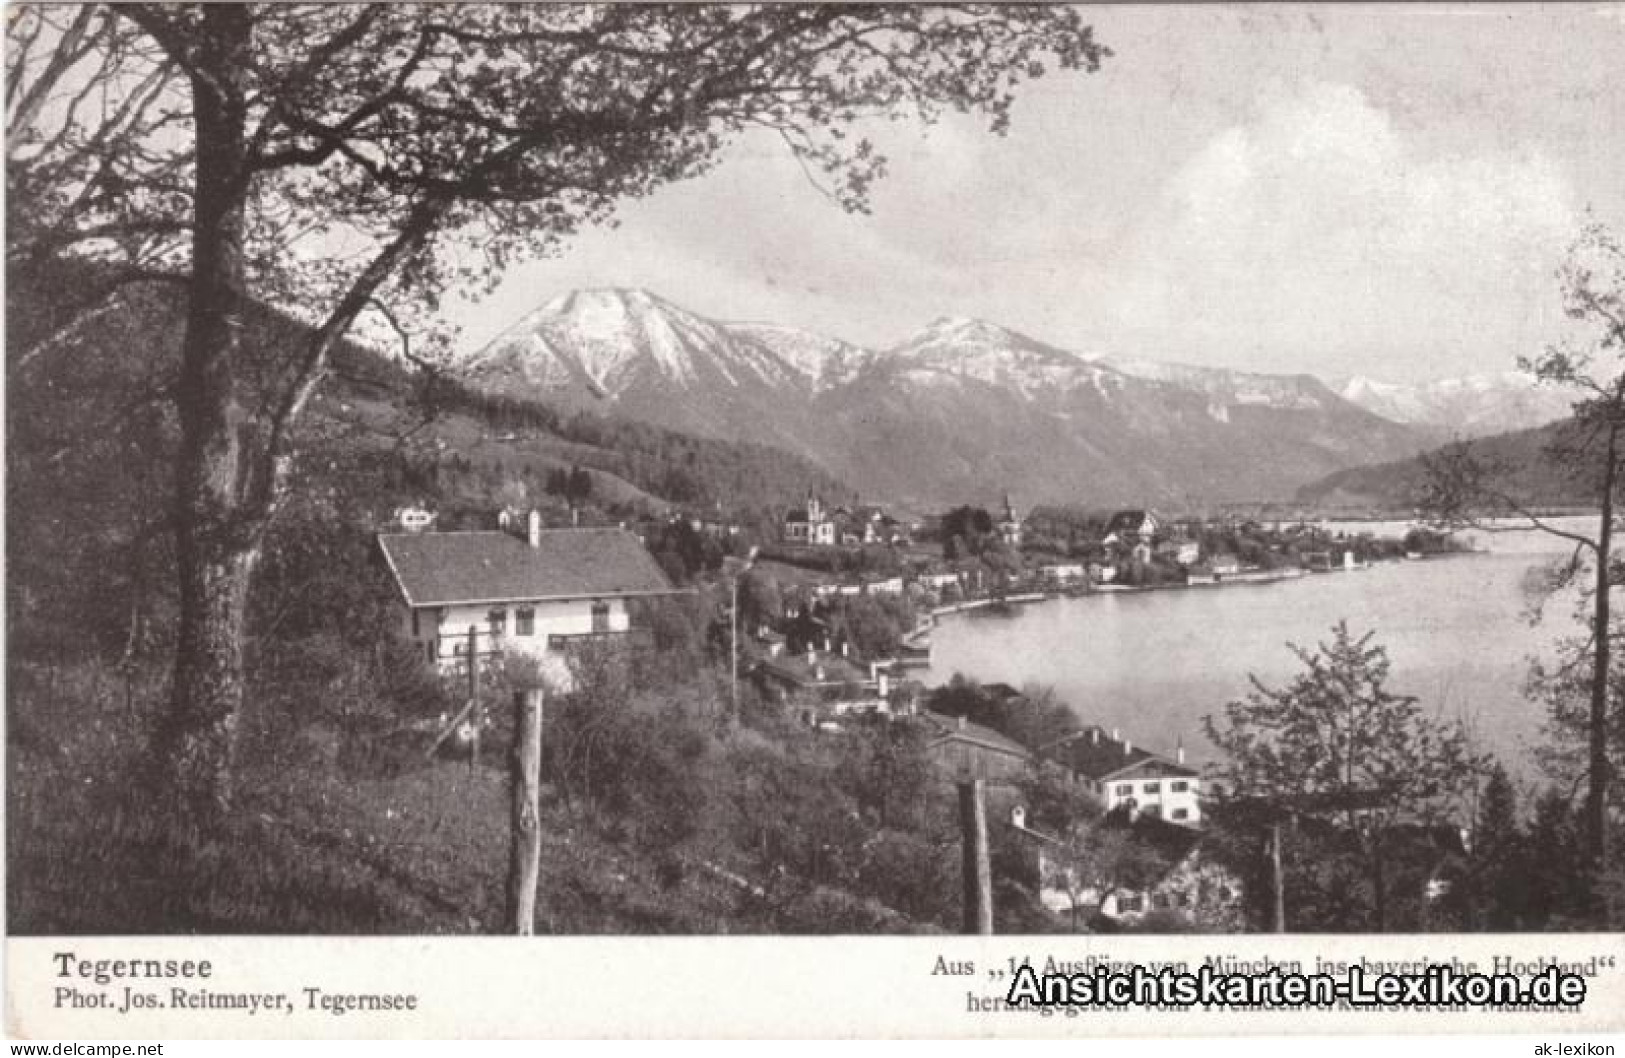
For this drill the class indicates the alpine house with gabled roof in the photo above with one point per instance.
(1118, 774)
(535, 595)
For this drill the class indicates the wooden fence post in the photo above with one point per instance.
(1277, 881)
(978, 868)
(524, 865)
(475, 719)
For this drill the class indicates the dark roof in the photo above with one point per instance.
(1095, 754)
(793, 668)
(436, 569)
(958, 729)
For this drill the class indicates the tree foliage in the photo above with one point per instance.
(441, 145)
(1335, 744)
(1463, 487)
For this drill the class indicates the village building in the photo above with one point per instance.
(1117, 774)
(810, 524)
(536, 595)
(937, 581)
(1064, 574)
(1009, 526)
(824, 684)
(1187, 879)
(1181, 551)
(961, 750)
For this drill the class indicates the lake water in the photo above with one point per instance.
(1456, 629)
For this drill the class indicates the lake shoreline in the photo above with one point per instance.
(1156, 663)
(917, 641)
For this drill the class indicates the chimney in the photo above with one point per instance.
(1128, 747)
(534, 536)
(961, 722)
(1094, 736)
(1179, 751)
(1114, 734)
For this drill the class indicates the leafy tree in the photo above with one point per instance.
(244, 136)
(1336, 744)
(761, 600)
(579, 486)
(1101, 859)
(965, 531)
(1500, 866)
(890, 773)
(1463, 487)
(1559, 893)
(872, 624)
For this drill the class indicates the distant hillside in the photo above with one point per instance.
(965, 410)
(1472, 406)
(372, 403)
(1526, 470)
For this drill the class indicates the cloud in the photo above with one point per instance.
(1322, 222)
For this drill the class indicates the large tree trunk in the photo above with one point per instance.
(1596, 807)
(217, 521)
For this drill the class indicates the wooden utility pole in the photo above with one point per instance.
(525, 861)
(1279, 884)
(474, 717)
(978, 868)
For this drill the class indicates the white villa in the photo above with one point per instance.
(535, 594)
(810, 524)
(1117, 774)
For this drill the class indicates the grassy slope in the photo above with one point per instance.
(315, 849)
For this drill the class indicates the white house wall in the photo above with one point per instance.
(442, 632)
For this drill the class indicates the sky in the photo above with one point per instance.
(1350, 189)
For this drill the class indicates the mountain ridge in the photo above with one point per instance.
(961, 407)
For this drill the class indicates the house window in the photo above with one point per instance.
(1181, 813)
(430, 646)
(1155, 811)
(1130, 902)
(415, 632)
(1153, 787)
(524, 621)
(1125, 789)
(600, 617)
(1179, 787)
(498, 620)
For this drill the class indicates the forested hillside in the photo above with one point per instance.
(1523, 464)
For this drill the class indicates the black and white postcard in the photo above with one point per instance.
(897, 520)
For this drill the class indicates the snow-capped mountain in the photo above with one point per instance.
(961, 409)
(1473, 406)
(612, 341)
